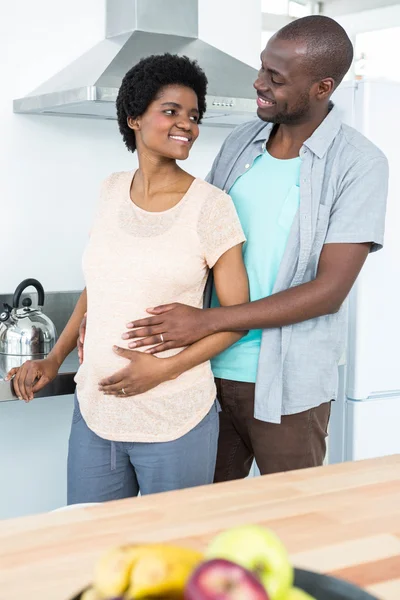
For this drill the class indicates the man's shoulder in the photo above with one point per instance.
(247, 132)
(355, 147)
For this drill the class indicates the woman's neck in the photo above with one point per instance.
(159, 184)
(155, 174)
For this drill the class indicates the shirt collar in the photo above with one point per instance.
(322, 137)
(264, 133)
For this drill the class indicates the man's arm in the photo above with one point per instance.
(356, 222)
(232, 288)
(338, 269)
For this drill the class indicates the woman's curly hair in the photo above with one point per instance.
(143, 82)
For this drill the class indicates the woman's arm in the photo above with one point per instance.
(232, 287)
(33, 375)
(68, 339)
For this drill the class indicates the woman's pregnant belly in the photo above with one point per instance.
(101, 361)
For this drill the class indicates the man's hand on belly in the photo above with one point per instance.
(143, 373)
(173, 326)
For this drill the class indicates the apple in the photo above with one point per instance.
(260, 551)
(221, 579)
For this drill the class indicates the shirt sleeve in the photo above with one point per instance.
(219, 227)
(211, 175)
(358, 213)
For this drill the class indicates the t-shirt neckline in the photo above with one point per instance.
(161, 212)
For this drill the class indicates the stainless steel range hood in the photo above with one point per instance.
(135, 29)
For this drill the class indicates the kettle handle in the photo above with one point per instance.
(23, 285)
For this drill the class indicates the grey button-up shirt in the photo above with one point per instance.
(343, 192)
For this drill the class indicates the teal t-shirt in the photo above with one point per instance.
(266, 198)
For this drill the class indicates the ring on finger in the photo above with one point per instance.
(161, 338)
(123, 392)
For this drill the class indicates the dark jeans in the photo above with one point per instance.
(298, 442)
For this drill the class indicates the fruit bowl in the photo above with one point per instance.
(321, 587)
(247, 562)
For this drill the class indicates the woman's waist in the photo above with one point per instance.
(158, 415)
(99, 365)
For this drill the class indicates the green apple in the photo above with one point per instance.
(297, 594)
(259, 550)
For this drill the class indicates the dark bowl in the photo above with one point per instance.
(322, 587)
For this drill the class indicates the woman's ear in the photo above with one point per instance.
(133, 123)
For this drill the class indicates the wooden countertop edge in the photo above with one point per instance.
(312, 510)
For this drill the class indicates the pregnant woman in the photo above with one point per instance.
(157, 233)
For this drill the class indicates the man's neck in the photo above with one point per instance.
(286, 140)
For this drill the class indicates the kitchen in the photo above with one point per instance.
(45, 238)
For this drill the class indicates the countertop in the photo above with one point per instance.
(62, 385)
(342, 519)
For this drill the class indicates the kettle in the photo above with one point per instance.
(25, 333)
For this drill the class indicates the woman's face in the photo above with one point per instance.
(169, 127)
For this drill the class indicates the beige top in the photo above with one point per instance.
(136, 259)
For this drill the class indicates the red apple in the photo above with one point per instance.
(221, 579)
(260, 551)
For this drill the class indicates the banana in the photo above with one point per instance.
(90, 594)
(161, 570)
(135, 572)
(113, 570)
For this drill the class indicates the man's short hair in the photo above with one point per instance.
(329, 48)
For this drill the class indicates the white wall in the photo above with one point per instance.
(375, 34)
(51, 167)
(381, 50)
(340, 7)
(233, 26)
(370, 20)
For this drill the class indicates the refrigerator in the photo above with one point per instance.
(365, 419)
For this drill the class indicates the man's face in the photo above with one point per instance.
(284, 87)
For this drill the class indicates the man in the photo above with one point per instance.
(311, 195)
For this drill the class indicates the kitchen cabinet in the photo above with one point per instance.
(33, 451)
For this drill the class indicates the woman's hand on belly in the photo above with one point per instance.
(143, 373)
